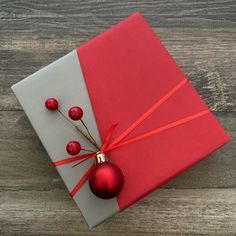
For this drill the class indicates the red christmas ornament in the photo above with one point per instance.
(75, 113)
(51, 104)
(73, 147)
(107, 180)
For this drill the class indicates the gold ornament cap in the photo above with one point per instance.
(101, 157)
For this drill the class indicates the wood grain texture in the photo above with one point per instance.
(200, 35)
(167, 211)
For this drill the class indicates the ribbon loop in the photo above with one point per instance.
(107, 138)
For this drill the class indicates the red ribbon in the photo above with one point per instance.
(117, 142)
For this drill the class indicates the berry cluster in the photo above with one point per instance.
(107, 173)
(75, 113)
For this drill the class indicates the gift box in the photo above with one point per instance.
(124, 76)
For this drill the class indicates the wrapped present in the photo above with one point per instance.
(140, 114)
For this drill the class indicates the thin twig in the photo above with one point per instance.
(88, 131)
(80, 162)
(87, 137)
(80, 131)
(87, 150)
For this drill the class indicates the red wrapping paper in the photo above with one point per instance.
(127, 70)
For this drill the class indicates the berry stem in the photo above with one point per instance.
(88, 132)
(87, 137)
(80, 131)
(87, 150)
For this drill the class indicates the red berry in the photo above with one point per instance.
(73, 147)
(75, 113)
(51, 104)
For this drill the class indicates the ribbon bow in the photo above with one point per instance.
(107, 146)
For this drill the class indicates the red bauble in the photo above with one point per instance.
(73, 147)
(75, 113)
(106, 181)
(51, 104)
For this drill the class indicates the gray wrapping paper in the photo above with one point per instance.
(63, 79)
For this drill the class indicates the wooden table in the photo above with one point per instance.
(200, 35)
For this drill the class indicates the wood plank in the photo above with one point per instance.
(26, 166)
(45, 32)
(166, 211)
(25, 15)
